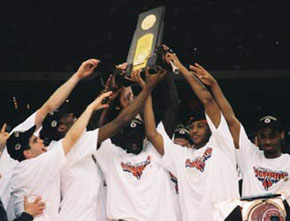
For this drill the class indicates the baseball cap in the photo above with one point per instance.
(270, 121)
(19, 142)
(200, 116)
(49, 126)
(182, 132)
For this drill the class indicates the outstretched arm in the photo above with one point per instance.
(210, 106)
(224, 105)
(61, 94)
(149, 120)
(132, 110)
(79, 126)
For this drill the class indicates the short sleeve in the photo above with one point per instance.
(222, 136)
(25, 125)
(45, 167)
(246, 149)
(172, 152)
(86, 145)
(104, 155)
(51, 162)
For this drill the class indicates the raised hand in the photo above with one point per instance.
(202, 74)
(153, 79)
(136, 77)
(172, 57)
(35, 208)
(87, 68)
(122, 67)
(98, 103)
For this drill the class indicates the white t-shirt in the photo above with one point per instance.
(81, 181)
(261, 175)
(206, 175)
(39, 176)
(7, 165)
(138, 188)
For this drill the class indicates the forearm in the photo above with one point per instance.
(133, 109)
(149, 119)
(56, 99)
(103, 116)
(171, 108)
(210, 106)
(150, 127)
(222, 102)
(199, 89)
(61, 94)
(113, 127)
(226, 109)
(77, 129)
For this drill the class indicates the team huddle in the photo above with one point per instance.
(135, 165)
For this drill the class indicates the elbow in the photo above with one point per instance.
(151, 135)
(47, 108)
(207, 100)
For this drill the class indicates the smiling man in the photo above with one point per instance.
(263, 169)
(263, 165)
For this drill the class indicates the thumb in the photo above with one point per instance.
(3, 129)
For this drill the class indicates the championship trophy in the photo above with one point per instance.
(146, 47)
(147, 37)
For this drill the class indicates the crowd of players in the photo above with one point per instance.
(136, 164)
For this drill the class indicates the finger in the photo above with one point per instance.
(95, 61)
(107, 94)
(37, 199)
(139, 75)
(91, 62)
(165, 47)
(104, 106)
(41, 204)
(132, 75)
(163, 73)
(198, 65)
(3, 129)
(123, 66)
(195, 69)
(108, 82)
(198, 75)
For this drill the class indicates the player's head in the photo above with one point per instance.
(182, 137)
(25, 145)
(56, 125)
(65, 123)
(131, 138)
(269, 134)
(198, 130)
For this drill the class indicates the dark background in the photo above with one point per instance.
(246, 38)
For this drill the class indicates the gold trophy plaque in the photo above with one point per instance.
(147, 36)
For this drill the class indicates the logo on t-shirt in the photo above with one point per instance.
(175, 181)
(136, 169)
(268, 177)
(199, 162)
